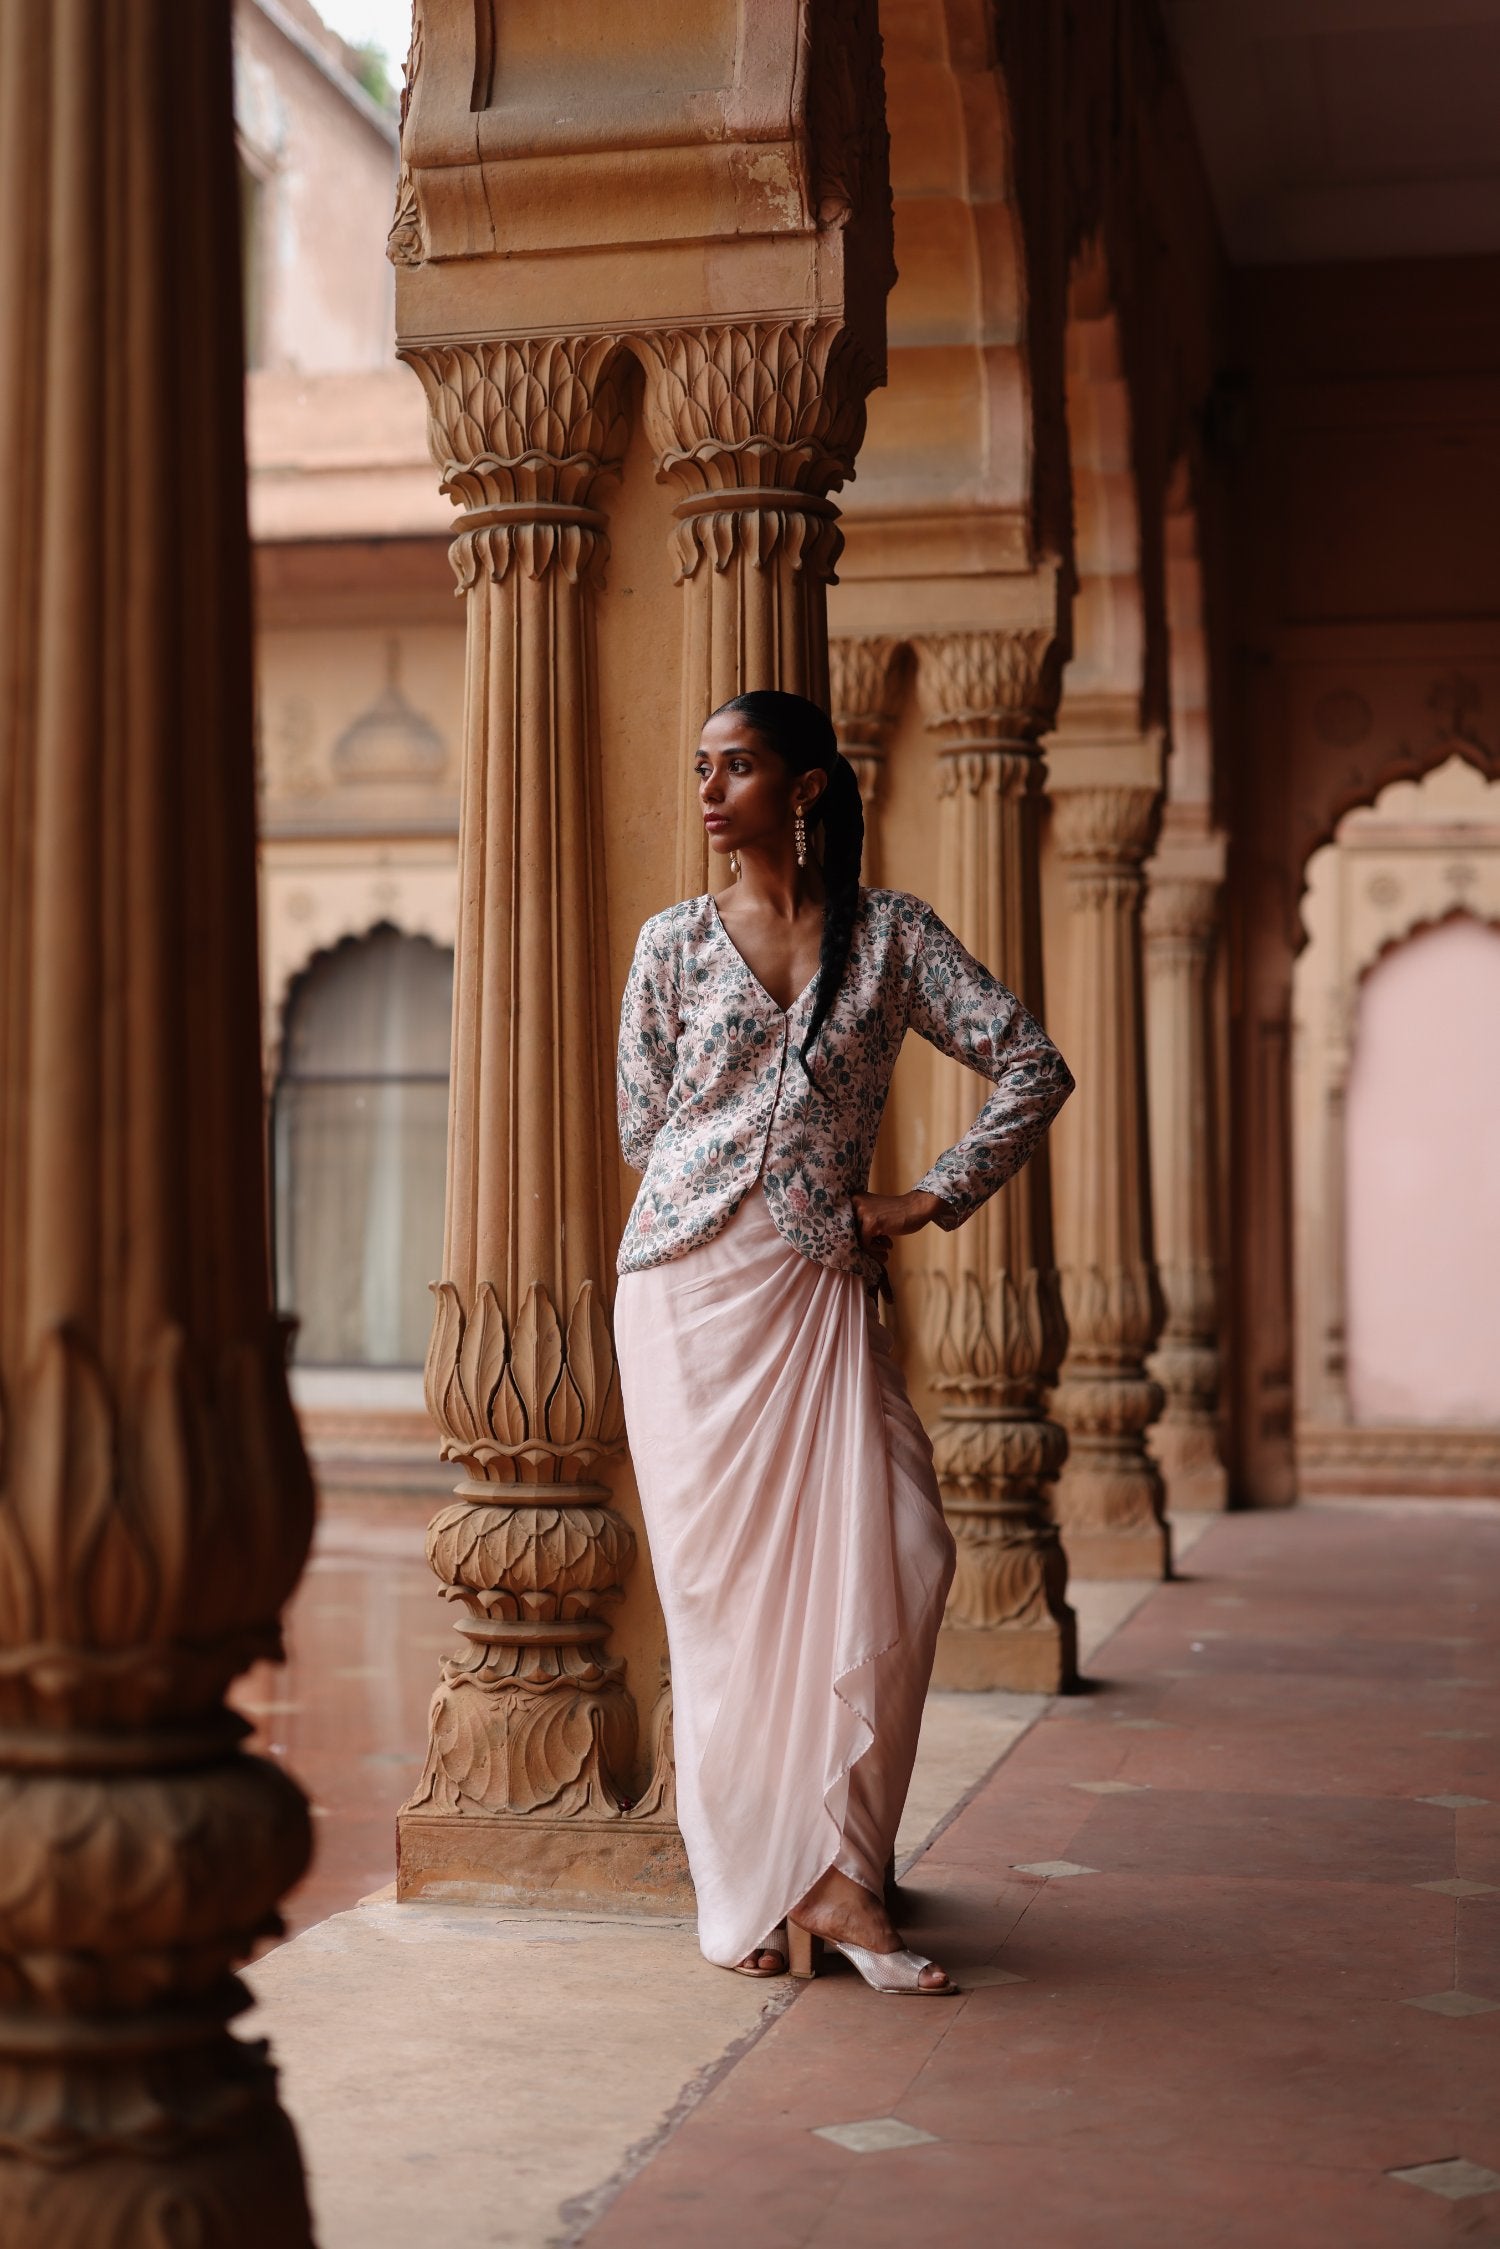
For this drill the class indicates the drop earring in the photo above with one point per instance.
(799, 832)
(734, 865)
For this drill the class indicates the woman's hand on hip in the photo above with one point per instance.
(880, 1218)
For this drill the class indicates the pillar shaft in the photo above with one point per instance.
(993, 1327)
(1181, 927)
(1110, 1501)
(532, 1721)
(155, 1506)
(752, 423)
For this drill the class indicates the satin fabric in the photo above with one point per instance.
(802, 1559)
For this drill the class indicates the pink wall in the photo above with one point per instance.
(1423, 1182)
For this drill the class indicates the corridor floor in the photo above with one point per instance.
(1229, 1935)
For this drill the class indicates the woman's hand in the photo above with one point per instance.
(880, 1218)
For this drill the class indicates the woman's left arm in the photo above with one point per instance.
(965, 1012)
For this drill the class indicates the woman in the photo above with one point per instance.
(786, 1483)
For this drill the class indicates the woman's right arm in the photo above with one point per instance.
(649, 1028)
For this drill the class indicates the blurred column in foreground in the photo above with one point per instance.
(155, 1506)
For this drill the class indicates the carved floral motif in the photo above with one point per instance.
(1000, 684)
(404, 244)
(522, 433)
(527, 1399)
(532, 1716)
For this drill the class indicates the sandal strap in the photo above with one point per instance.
(889, 1971)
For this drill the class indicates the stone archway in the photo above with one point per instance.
(1423, 857)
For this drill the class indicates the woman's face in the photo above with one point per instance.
(747, 794)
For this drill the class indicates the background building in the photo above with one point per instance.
(359, 662)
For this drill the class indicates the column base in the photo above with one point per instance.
(1136, 1550)
(566, 1865)
(1196, 1491)
(1027, 1659)
(1196, 1479)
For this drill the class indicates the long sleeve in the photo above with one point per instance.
(650, 1026)
(965, 1012)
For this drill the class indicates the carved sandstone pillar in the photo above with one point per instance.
(864, 677)
(995, 1332)
(532, 1727)
(155, 1506)
(1109, 1498)
(1181, 927)
(752, 423)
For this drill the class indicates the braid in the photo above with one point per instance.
(842, 817)
(798, 731)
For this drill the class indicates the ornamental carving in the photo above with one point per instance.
(990, 1332)
(999, 1579)
(144, 1558)
(1110, 828)
(515, 1399)
(863, 683)
(1114, 1309)
(659, 1800)
(532, 1715)
(151, 1877)
(522, 434)
(1182, 911)
(758, 403)
(405, 245)
(1004, 683)
(851, 144)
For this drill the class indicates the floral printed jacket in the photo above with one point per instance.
(713, 1096)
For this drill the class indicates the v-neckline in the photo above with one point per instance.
(769, 997)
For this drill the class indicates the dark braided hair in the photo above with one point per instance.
(802, 735)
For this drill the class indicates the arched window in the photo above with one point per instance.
(359, 1137)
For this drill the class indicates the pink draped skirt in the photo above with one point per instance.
(802, 1558)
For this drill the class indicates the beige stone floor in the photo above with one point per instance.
(487, 2078)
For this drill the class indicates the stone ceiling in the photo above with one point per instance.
(1337, 129)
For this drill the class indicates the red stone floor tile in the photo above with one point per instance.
(1211, 2042)
(347, 1712)
(1013, 2201)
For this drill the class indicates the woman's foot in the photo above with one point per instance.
(838, 1908)
(767, 1960)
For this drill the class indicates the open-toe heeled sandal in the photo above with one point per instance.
(776, 1942)
(898, 1974)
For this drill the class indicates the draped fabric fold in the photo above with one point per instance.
(802, 1560)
